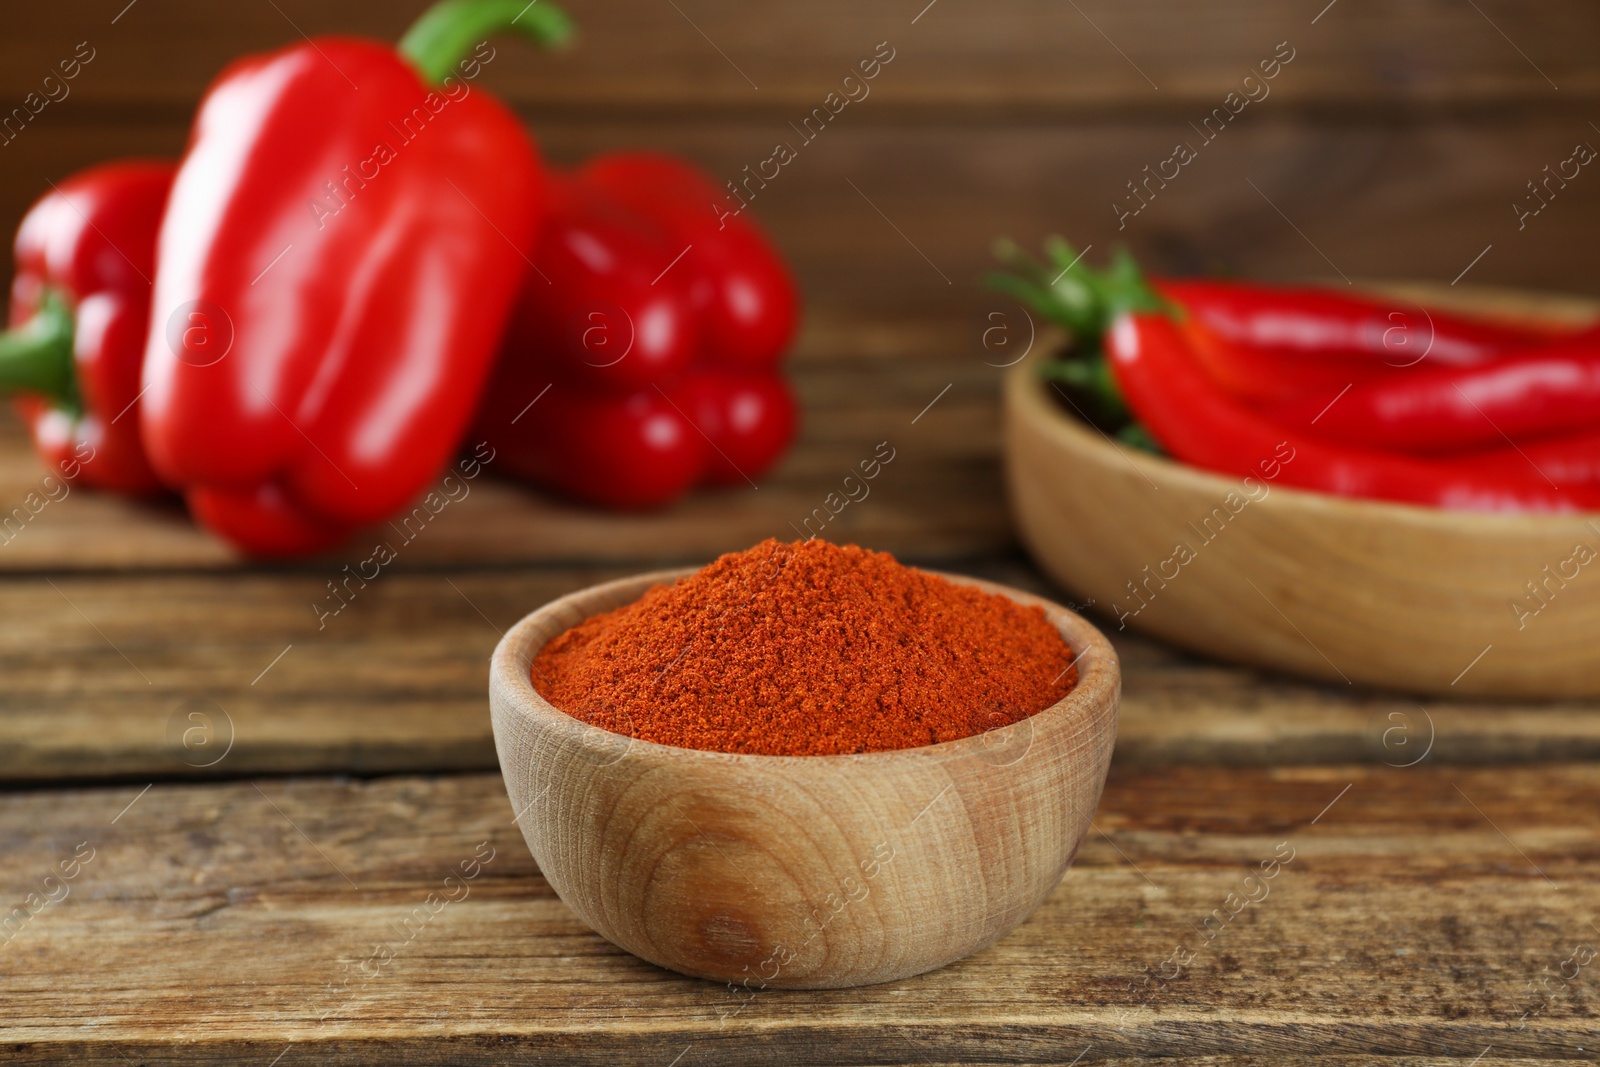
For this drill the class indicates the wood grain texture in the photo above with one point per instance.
(939, 496)
(713, 54)
(231, 922)
(1376, 198)
(1396, 139)
(396, 682)
(711, 863)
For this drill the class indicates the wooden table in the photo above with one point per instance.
(231, 819)
(253, 807)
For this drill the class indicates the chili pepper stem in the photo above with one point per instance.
(444, 33)
(1071, 293)
(36, 357)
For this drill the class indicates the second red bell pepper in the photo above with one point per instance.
(642, 358)
(624, 450)
(603, 309)
(80, 307)
(747, 301)
(349, 227)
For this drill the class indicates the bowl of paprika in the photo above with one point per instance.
(883, 850)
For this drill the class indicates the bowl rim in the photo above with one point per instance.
(1030, 400)
(1099, 680)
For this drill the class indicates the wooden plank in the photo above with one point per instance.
(1016, 55)
(1379, 199)
(103, 675)
(940, 495)
(246, 921)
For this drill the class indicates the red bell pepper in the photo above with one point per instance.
(747, 419)
(80, 307)
(348, 230)
(603, 309)
(648, 333)
(747, 301)
(1292, 320)
(1199, 423)
(624, 450)
(638, 449)
(1547, 393)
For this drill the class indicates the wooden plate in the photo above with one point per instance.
(1343, 590)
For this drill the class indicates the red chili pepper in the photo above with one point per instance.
(1451, 409)
(347, 232)
(1276, 379)
(656, 333)
(1197, 422)
(80, 306)
(1289, 320)
(1571, 459)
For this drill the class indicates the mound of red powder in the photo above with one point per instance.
(807, 649)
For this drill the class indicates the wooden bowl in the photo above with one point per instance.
(810, 872)
(1343, 590)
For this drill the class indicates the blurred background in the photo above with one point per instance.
(1397, 139)
(1396, 142)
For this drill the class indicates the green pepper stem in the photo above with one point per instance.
(36, 357)
(1071, 293)
(438, 40)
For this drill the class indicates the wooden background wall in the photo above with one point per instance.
(1396, 140)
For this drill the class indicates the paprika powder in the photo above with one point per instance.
(807, 649)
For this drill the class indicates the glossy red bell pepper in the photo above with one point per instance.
(624, 450)
(748, 303)
(347, 232)
(643, 448)
(1553, 391)
(656, 328)
(603, 309)
(747, 419)
(1197, 422)
(80, 307)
